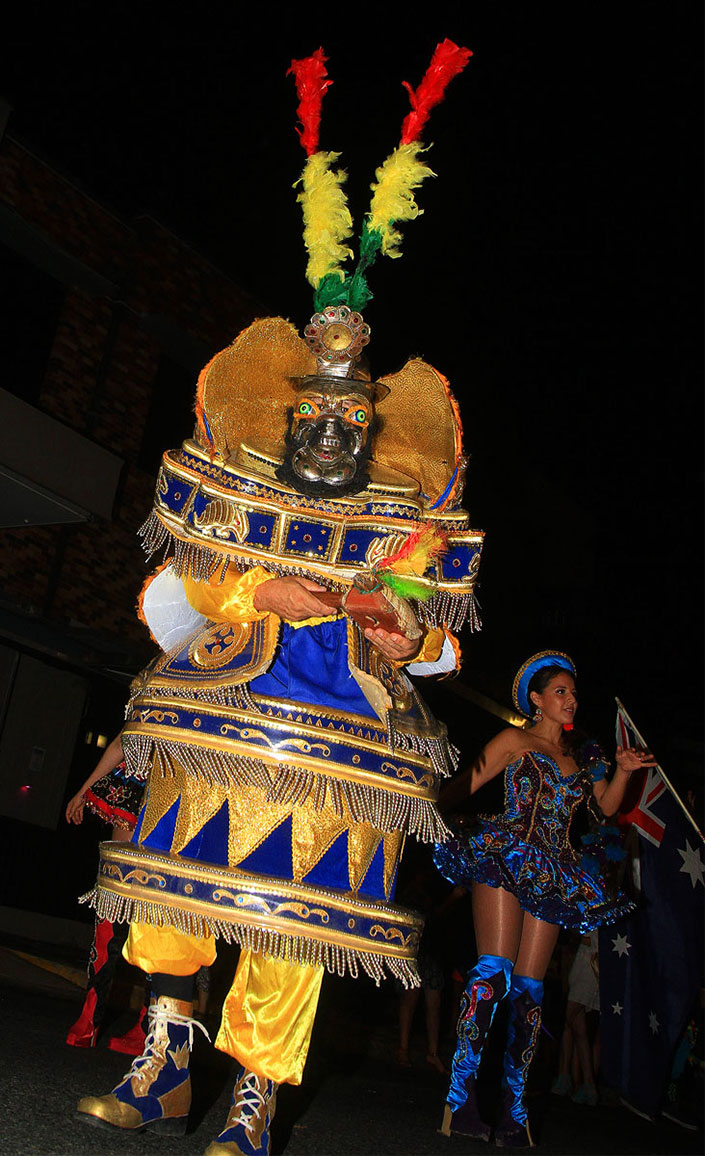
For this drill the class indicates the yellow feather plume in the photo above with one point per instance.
(393, 199)
(327, 220)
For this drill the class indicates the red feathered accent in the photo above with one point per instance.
(429, 538)
(447, 61)
(311, 85)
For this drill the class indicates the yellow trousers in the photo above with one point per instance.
(269, 1011)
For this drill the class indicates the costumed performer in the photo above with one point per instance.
(316, 552)
(114, 795)
(527, 881)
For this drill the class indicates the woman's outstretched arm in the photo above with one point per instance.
(490, 762)
(609, 795)
(112, 755)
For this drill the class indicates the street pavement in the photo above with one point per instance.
(354, 1100)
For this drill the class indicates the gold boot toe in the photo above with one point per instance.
(110, 1112)
(218, 1149)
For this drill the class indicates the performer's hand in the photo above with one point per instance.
(74, 810)
(291, 598)
(393, 645)
(629, 759)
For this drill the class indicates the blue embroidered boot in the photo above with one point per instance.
(246, 1131)
(487, 984)
(156, 1092)
(525, 997)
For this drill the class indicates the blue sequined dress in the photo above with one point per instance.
(527, 849)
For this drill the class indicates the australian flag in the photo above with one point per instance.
(651, 962)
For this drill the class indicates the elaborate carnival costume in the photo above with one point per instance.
(526, 851)
(116, 799)
(286, 761)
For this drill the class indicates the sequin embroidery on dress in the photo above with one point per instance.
(527, 849)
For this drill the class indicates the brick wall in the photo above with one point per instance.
(98, 380)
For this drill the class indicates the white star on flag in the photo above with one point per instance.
(692, 864)
(621, 946)
(653, 1022)
(617, 1009)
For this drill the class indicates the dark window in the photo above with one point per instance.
(31, 302)
(170, 419)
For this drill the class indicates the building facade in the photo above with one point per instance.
(108, 324)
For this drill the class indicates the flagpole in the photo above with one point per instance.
(659, 768)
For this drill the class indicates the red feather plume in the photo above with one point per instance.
(426, 543)
(447, 61)
(311, 85)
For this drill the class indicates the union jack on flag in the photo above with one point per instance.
(646, 787)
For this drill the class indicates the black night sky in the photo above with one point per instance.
(551, 277)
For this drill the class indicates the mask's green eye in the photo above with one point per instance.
(305, 409)
(358, 415)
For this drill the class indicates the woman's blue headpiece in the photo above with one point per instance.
(520, 690)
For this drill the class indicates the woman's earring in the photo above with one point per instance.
(538, 715)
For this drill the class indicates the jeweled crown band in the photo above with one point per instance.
(206, 515)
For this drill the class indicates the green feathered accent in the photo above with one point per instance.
(370, 246)
(351, 291)
(405, 587)
(331, 291)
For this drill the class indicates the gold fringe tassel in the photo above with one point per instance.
(292, 948)
(385, 810)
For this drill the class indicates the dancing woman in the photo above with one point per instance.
(114, 795)
(527, 881)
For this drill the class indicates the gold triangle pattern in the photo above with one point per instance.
(252, 820)
(196, 809)
(312, 834)
(363, 841)
(393, 843)
(165, 785)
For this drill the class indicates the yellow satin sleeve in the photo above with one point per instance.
(232, 600)
(166, 950)
(431, 646)
(268, 1016)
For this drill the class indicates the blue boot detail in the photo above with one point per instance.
(246, 1131)
(156, 1092)
(488, 983)
(525, 999)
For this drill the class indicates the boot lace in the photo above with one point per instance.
(250, 1100)
(158, 1018)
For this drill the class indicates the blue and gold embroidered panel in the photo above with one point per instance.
(261, 521)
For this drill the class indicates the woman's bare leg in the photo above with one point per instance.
(536, 945)
(407, 1006)
(498, 920)
(538, 939)
(566, 1051)
(575, 1016)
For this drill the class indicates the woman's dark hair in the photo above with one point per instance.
(572, 741)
